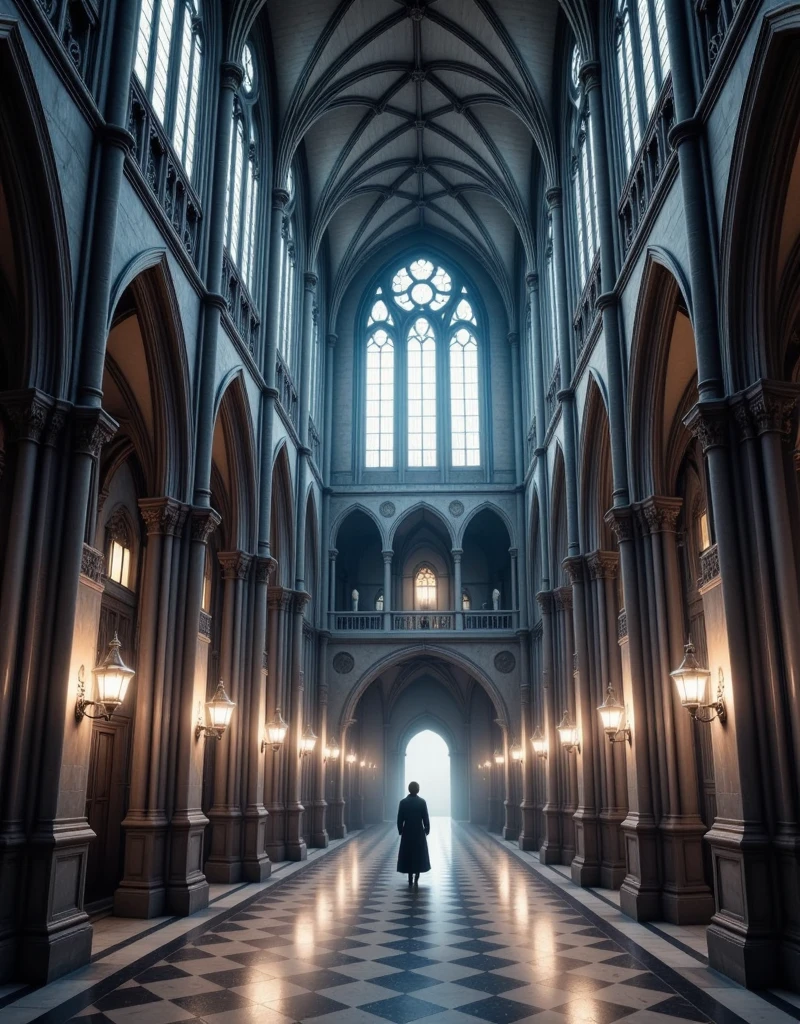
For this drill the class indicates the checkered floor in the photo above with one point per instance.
(347, 942)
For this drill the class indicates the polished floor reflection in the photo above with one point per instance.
(346, 941)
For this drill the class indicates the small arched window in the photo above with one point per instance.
(288, 275)
(466, 602)
(119, 547)
(168, 63)
(584, 187)
(241, 207)
(425, 589)
(642, 65)
(379, 602)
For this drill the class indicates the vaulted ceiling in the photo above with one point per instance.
(417, 114)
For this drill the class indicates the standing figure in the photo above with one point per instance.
(414, 825)
(495, 599)
(354, 598)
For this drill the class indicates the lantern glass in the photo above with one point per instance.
(113, 676)
(219, 709)
(498, 758)
(332, 751)
(568, 732)
(611, 712)
(308, 740)
(276, 730)
(539, 743)
(516, 752)
(690, 678)
(487, 763)
(351, 758)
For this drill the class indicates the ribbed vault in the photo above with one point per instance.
(418, 113)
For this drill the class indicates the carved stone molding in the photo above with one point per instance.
(204, 625)
(235, 564)
(231, 75)
(661, 514)
(621, 522)
(301, 601)
(457, 553)
(387, 509)
(545, 601)
(505, 662)
(387, 557)
(204, 522)
(93, 564)
(563, 599)
(265, 569)
(27, 414)
(603, 565)
(622, 625)
(771, 407)
(162, 515)
(343, 663)
(709, 566)
(708, 422)
(275, 596)
(56, 423)
(573, 567)
(456, 508)
(92, 429)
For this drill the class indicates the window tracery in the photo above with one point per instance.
(241, 207)
(583, 179)
(425, 589)
(427, 310)
(642, 65)
(168, 63)
(288, 278)
(119, 547)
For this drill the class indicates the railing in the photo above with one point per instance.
(647, 169)
(587, 311)
(286, 389)
(240, 305)
(163, 172)
(76, 23)
(551, 398)
(423, 620)
(358, 620)
(488, 620)
(314, 441)
(714, 18)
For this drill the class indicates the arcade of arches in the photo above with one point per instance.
(380, 367)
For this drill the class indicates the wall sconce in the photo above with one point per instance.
(568, 734)
(275, 732)
(218, 712)
(539, 743)
(611, 715)
(691, 680)
(516, 752)
(352, 757)
(112, 676)
(362, 764)
(307, 741)
(498, 758)
(332, 751)
(487, 763)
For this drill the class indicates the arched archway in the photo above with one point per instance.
(427, 762)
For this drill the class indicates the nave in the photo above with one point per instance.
(486, 937)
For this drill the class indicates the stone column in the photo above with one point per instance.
(336, 826)
(527, 835)
(550, 850)
(387, 589)
(565, 635)
(540, 453)
(586, 865)
(516, 398)
(295, 844)
(276, 822)
(510, 826)
(458, 585)
(319, 834)
(332, 577)
(142, 892)
(256, 865)
(513, 552)
(330, 356)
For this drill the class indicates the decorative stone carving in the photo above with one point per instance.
(387, 509)
(92, 429)
(55, 425)
(204, 625)
(204, 522)
(343, 663)
(621, 523)
(771, 409)
(603, 565)
(93, 564)
(545, 600)
(661, 514)
(563, 599)
(573, 567)
(160, 515)
(622, 625)
(709, 566)
(265, 569)
(456, 508)
(505, 662)
(235, 564)
(708, 422)
(27, 413)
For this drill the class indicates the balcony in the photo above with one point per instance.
(423, 622)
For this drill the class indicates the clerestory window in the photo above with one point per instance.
(288, 270)
(584, 187)
(168, 63)
(241, 208)
(642, 66)
(422, 369)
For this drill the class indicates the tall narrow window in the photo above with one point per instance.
(287, 293)
(168, 64)
(421, 351)
(583, 181)
(551, 300)
(380, 399)
(241, 208)
(119, 547)
(642, 65)
(425, 589)
(465, 438)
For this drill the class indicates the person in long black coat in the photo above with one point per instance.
(414, 825)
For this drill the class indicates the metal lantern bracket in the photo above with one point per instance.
(82, 704)
(716, 708)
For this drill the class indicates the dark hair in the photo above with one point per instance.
(413, 788)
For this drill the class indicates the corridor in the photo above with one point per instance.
(344, 941)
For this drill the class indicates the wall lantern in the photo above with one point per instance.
(498, 758)
(275, 732)
(611, 715)
(218, 713)
(351, 757)
(112, 676)
(539, 743)
(568, 734)
(362, 764)
(487, 763)
(516, 752)
(691, 679)
(307, 741)
(332, 750)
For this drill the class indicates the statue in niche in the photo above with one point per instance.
(495, 599)
(354, 597)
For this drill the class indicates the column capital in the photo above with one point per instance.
(231, 74)
(603, 565)
(563, 598)
(332, 554)
(554, 197)
(310, 281)
(235, 564)
(545, 601)
(513, 552)
(573, 567)
(621, 522)
(301, 601)
(387, 556)
(332, 339)
(766, 407)
(457, 553)
(280, 198)
(265, 569)
(661, 514)
(92, 429)
(513, 338)
(532, 281)
(27, 413)
(162, 515)
(589, 75)
(708, 421)
(204, 522)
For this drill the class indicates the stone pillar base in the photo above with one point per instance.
(187, 888)
(550, 850)
(585, 867)
(44, 958)
(319, 834)
(295, 844)
(142, 891)
(256, 865)
(640, 892)
(750, 962)
(686, 898)
(276, 833)
(510, 833)
(224, 861)
(612, 860)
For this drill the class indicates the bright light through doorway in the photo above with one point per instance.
(428, 763)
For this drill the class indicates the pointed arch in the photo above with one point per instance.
(422, 506)
(234, 459)
(346, 513)
(283, 516)
(595, 476)
(312, 564)
(488, 506)
(558, 517)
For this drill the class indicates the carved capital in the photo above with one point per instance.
(235, 564)
(513, 338)
(332, 339)
(93, 564)
(545, 601)
(621, 522)
(554, 197)
(162, 515)
(27, 413)
(661, 514)
(708, 421)
(589, 75)
(603, 565)
(532, 281)
(265, 569)
(92, 428)
(230, 75)
(301, 601)
(387, 557)
(275, 598)
(332, 554)
(573, 567)
(204, 522)
(771, 407)
(310, 281)
(280, 197)
(563, 599)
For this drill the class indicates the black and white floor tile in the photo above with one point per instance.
(347, 942)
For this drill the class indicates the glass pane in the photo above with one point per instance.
(421, 356)
(143, 41)
(184, 73)
(421, 269)
(425, 587)
(194, 94)
(380, 402)
(249, 66)
(648, 66)
(161, 71)
(464, 431)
